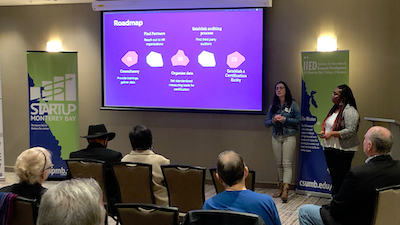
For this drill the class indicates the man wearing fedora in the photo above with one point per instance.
(98, 138)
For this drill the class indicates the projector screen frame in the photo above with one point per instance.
(181, 109)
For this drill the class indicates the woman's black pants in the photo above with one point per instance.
(339, 163)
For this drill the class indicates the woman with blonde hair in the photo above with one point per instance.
(33, 167)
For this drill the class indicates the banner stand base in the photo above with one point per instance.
(313, 193)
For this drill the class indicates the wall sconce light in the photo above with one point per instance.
(326, 44)
(54, 46)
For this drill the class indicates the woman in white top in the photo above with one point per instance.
(141, 141)
(339, 133)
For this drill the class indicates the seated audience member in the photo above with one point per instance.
(354, 204)
(98, 139)
(232, 172)
(73, 202)
(33, 167)
(141, 141)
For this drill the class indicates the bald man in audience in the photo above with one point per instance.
(232, 172)
(354, 204)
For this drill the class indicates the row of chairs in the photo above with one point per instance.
(134, 181)
(144, 214)
(386, 212)
(185, 184)
(25, 212)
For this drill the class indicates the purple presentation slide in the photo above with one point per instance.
(184, 59)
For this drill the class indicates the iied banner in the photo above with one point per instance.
(53, 105)
(322, 72)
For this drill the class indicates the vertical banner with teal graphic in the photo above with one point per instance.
(322, 72)
(53, 105)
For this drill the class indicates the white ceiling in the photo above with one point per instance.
(40, 2)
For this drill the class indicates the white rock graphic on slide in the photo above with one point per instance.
(154, 59)
(206, 59)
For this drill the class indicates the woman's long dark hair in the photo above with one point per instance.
(275, 101)
(348, 98)
(347, 95)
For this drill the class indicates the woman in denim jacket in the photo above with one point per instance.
(284, 117)
(339, 133)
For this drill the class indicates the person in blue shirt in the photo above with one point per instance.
(232, 172)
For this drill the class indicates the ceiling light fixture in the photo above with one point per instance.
(54, 46)
(326, 44)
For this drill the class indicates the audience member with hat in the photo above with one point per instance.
(98, 138)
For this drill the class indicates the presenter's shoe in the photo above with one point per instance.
(285, 192)
(279, 193)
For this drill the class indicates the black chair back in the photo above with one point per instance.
(146, 214)
(387, 210)
(185, 186)
(96, 169)
(89, 168)
(221, 217)
(134, 181)
(25, 211)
